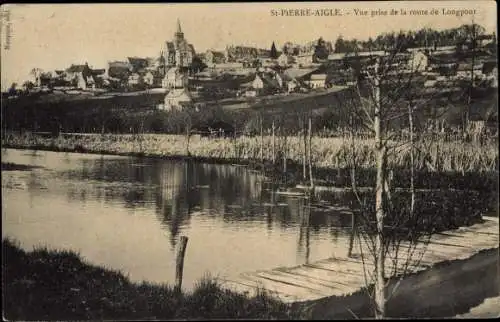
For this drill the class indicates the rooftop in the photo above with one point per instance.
(299, 72)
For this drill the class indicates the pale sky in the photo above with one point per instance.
(53, 36)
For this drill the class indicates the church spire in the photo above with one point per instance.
(179, 31)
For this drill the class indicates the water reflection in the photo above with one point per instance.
(235, 219)
(177, 189)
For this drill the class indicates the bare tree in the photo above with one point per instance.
(385, 93)
(309, 152)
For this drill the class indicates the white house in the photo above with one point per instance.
(134, 79)
(306, 59)
(285, 60)
(213, 57)
(149, 78)
(80, 81)
(317, 81)
(418, 61)
(174, 79)
(265, 83)
(258, 82)
(177, 98)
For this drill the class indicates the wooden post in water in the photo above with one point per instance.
(179, 265)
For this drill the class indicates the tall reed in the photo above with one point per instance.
(328, 152)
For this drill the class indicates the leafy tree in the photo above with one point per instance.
(13, 89)
(197, 65)
(320, 50)
(28, 85)
(339, 45)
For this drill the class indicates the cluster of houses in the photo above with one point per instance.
(76, 76)
(135, 73)
(298, 68)
(297, 56)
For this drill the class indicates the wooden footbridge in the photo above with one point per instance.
(342, 276)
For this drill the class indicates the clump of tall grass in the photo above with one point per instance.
(58, 285)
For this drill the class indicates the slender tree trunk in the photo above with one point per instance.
(188, 138)
(412, 162)
(273, 145)
(304, 154)
(261, 142)
(379, 207)
(471, 85)
(285, 149)
(310, 152)
(353, 216)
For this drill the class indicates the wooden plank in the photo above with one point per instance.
(298, 281)
(243, 287)
(448, 251)
(276, 286)
(248, 288)
(341, 265)
(320, 274)
(342, 282)
(314, 279)
(343, 275)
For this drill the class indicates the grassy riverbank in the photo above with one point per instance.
(437, 155)
(58, 285)
(439, 164)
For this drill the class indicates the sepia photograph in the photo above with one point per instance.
(250, 160)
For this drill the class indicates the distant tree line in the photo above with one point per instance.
(466, 34)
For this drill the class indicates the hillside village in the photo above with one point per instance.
(243, 73)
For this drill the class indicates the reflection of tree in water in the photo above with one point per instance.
(304, 247)
(172, 201)
(214, 189)
(178, 189)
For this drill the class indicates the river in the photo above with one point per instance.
(128, 213)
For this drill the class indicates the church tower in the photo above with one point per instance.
(178, 52)
(179, 35)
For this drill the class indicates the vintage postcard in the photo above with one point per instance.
(270, 160)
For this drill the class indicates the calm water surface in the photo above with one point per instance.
(128, 213)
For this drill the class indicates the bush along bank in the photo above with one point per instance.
(57, 285)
